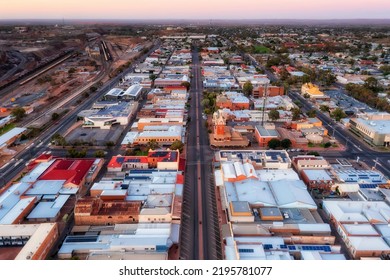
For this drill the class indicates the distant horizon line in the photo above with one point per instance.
(192, 19)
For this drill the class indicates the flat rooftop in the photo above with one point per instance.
(267, 132)
(10, 134)
(378, 126)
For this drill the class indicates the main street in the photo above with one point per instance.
(200, 235)
(10, 170)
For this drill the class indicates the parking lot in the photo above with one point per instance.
(96, 136)
(347, 102)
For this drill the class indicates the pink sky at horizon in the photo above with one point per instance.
(196, 9)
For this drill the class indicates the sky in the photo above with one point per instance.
(194, 9)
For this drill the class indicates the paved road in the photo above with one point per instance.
(200, 235)
(8, 172)
(354, 146)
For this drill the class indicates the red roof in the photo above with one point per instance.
(276, 69)
(40, 158)
(290, 69)
(71, 170)
(117, 161)
(179, 179)
(170, 88)
(182, 164)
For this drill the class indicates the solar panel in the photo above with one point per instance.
(246, 250)
(77, 239)
(291, 247)
(283, 246)
(267, 246)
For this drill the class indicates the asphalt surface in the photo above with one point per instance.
(14, 167)
(200, 234)
(355, 147)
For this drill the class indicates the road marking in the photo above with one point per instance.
(18, 162)
(5, 165)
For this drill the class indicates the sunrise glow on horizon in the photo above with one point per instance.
(197, 9)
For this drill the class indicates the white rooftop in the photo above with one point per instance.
(358, 211)
(130, 137)
(282, 193)
(48, 210)
(10, 198)
(10, 134)
(45, 187)
(367, 243)
(277, 174)
(317, 174)
(34, 174)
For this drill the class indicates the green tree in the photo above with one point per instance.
(205, 102)
(99, 154)
(93, 89)
(274, 114)
(72, 70)
(55, 116)
(152, 144)
(18, 113)
(247, 89)
(385, 69)
(74, 153)
(311, 113)
(285, 143)
(296, 114)
(274, 143)
(186, 84)
(110, 144)
(338, 114)
(372, 84)
(152, 77)
(324, 108)
(58, 140)
(177, 145)
(327, 145)
(326, 77)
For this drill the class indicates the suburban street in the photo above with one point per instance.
(355, 148)
(200, 236)
(40, 144)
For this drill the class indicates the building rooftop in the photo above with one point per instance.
(360, 176)
(130, 137)
(115, 92)
(73, 171)
(46, 187)
(10, 134)
(317, 174)
(133, 91)
(36, 232)
(11, 203)
(48, 210)
(358, 211)
(266, 132)
(378, 126)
